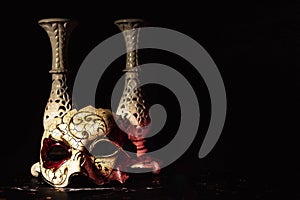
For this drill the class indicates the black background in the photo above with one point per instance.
(251, 43)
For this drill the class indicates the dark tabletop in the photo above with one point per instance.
(204, 185)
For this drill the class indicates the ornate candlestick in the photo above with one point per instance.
(133, 105)
(59, 102)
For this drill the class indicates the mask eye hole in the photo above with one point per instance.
(103, 148)
(54, 153)
(57, 153)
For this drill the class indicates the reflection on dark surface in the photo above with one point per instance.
(208, 186)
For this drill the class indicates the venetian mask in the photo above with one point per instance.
(80, 143)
